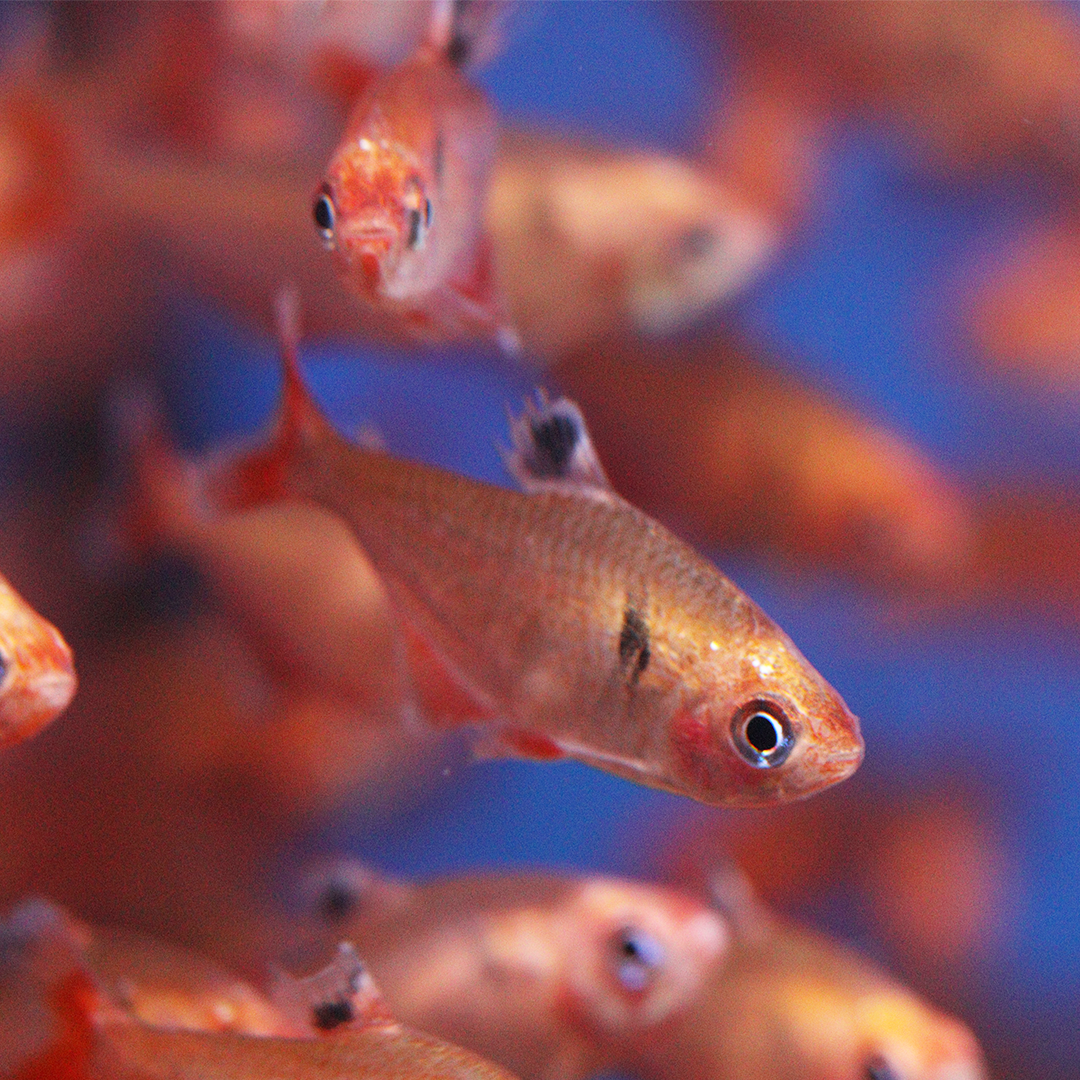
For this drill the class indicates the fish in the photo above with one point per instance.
(789, 1004)
(37, 673)
(574, 625)
(346, 1031)
(750, 459)
(554, 976)
(592, 241)
(401, 205)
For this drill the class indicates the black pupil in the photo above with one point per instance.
(762, 733)
(630, 949)
(324, 215)
(879, 1069)
(414, 228)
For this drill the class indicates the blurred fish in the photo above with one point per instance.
(37, 677)
(974, 84)
(1024, 316)
(569, 620)
(747, 458)
(789, 1005)
(590, 241)
(554, 977)
(402, 202)
(94, 1036)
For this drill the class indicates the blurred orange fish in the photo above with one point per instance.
(552, 976)
(580, 626)
(791, 1005)
(87, 1035)
(402, 204)
(37, 677)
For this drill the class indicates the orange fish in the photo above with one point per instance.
(551, 976)
(575, 624)
(790, 1005)
(85, 1034)
(402, 203)
(37, 678)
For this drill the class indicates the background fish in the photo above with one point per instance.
(553, 976)
(402, 202)
(37, 676)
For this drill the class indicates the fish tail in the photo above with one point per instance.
(261, 476)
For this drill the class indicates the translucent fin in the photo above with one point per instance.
(340, 997)
(733, 896)
(470, 33)
(552, 450)
(517, 743)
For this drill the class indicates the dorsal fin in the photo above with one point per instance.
(552, 450)
(341, 997)
(734, 897)
(468, 33)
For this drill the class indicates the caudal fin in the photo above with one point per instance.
(261, 476)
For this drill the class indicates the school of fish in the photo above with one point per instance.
(365, 607)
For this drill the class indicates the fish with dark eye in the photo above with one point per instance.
(572, 624)
(37, 675)
(555, 977)
(402, 202)
(787, 1004)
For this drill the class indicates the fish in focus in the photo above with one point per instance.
(791, 1005)
(572, 623)
(82, 1032)
(402, 202)
(37, 676)
(554, 977)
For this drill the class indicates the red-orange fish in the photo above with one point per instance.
(402, 203)
(552, 976)
(791, 1005)
(83, 1033)
(37, 677)
(577, 625)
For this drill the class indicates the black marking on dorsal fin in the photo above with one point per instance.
(552, 449)
(634, 651)
(341, 993)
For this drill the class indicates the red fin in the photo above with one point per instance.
(341, 75)
(260, 477)
(443, 701)
(73, 1000)
(530, 744)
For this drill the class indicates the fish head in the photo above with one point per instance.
(37, 676)
(374, 211)
(634, 955)
(763, 727)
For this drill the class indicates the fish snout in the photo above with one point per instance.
(38, 681)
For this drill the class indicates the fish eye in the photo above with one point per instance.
(762, 734)
(336, 901)
(323, 212)
(877, 1068)
(637, 957)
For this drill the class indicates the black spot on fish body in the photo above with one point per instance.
(634, 651)
(555, 438)
(415, 221)
(328, 1015)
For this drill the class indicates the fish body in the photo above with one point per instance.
(87, 1028)
(37, 676)
(402, 202)
(791, 1005)
(553, 976)
(574, 622)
